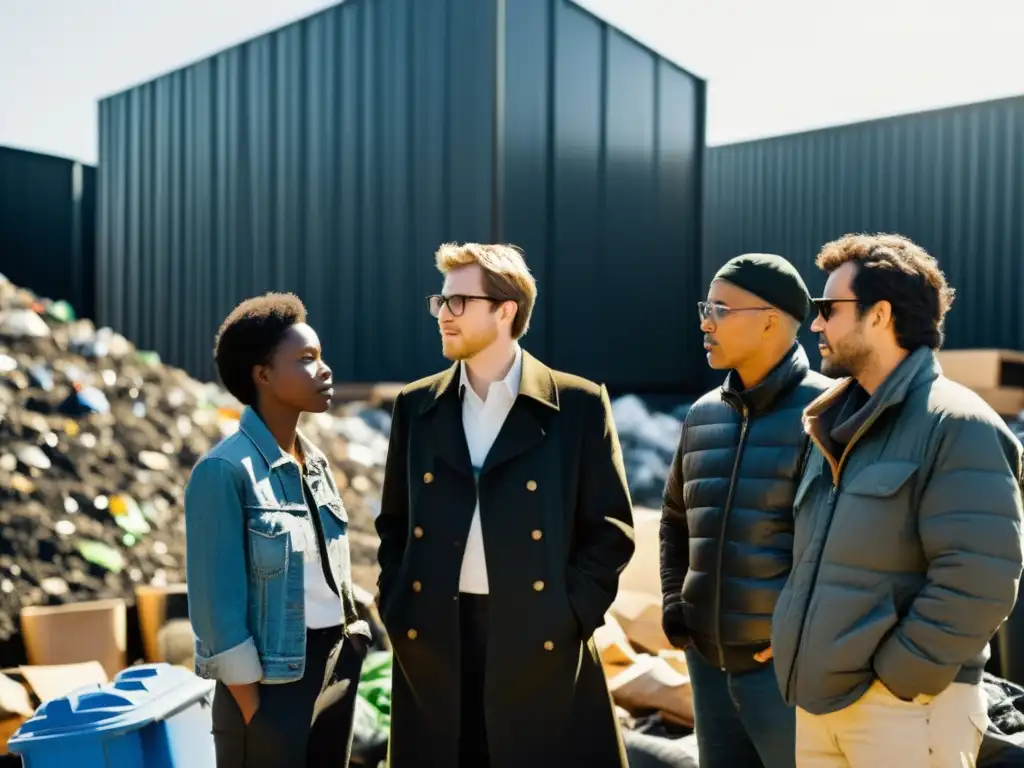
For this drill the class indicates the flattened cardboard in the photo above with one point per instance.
(639, 615)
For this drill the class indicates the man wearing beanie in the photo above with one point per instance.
(727, 518)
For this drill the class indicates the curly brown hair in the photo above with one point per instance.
(893, 268)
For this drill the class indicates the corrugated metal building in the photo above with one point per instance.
(47, 226)
(333, 156)
(952, 180)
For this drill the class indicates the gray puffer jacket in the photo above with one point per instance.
(907, 544)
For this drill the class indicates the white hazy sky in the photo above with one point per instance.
(773, 66)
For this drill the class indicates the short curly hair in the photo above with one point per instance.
(893, 268)
(248, 337)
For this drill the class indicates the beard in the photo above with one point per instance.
(835, 370)
(847, 358)
(465, 346)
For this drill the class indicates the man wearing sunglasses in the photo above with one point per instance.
(727, 523)
(505, 522)
(907, 546)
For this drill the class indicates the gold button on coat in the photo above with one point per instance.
(413, 634)
(417, 532)
(428, 477)
(416, 586)
(537, 534)
(538, 586)
(548, 645)
(531, 485)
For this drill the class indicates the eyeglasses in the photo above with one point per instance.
(825, 305)
(456, 302)
(718, 312)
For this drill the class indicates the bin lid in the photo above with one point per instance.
(135, 698)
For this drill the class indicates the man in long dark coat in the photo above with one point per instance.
(504, 525)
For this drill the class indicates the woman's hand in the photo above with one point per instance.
(248, 699)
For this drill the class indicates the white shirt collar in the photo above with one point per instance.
(510, 382)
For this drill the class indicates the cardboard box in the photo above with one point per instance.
(90, 630)
(613, 647)
(642, 573)
(157, 606)
(639, 615)
(1006, 401)
(23, 689)
(653, 683)
(983, 369)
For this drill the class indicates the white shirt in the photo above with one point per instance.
(322, 604)
(482, 421)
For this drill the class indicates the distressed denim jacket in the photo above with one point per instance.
(247, 526)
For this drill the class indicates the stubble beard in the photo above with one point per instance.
(846, 361)
(464, 347)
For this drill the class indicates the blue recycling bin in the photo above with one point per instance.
(150, 716)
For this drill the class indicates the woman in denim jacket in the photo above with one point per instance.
(268, 569)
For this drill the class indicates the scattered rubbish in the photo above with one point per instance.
(61, 311)
(23, 323)
(97, 441)
(157, 462)
(98, 553)
(649, 439)
(85, 400)
(33, 456)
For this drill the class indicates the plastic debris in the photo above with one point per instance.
(98, 553)
(23, 323)
(118, 433)
(649, 439)
(61, 311)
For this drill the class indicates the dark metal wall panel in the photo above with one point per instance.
(602, 160)
(951, 180)
(47, 242)
(329, 158)
(333, 156)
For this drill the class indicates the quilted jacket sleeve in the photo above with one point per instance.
(674, 543)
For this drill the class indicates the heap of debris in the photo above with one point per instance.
(97, 440)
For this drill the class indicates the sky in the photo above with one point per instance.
(772, 66)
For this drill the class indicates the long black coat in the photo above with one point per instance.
(558, 530)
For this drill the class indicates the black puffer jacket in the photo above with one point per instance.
(727, 519)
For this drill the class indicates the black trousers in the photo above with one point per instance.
(473, 751)
(305, 724)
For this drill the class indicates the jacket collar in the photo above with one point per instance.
(510, 382)
(252, 426)
(787, 373)
(536, 383)
(524, 427)
(919, 367)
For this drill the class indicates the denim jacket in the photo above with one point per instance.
(247, 525)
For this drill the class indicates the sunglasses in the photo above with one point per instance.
(825, 305)
(718, 312)
(456, 302)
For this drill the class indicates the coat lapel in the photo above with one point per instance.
(525, 425)
(445, 412)
(524, 428)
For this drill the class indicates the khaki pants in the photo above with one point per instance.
(881, 731)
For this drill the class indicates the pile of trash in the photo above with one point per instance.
(97, 440)
(649, 439)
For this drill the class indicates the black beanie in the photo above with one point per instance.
(771, 278)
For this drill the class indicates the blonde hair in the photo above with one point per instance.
(506, 276)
